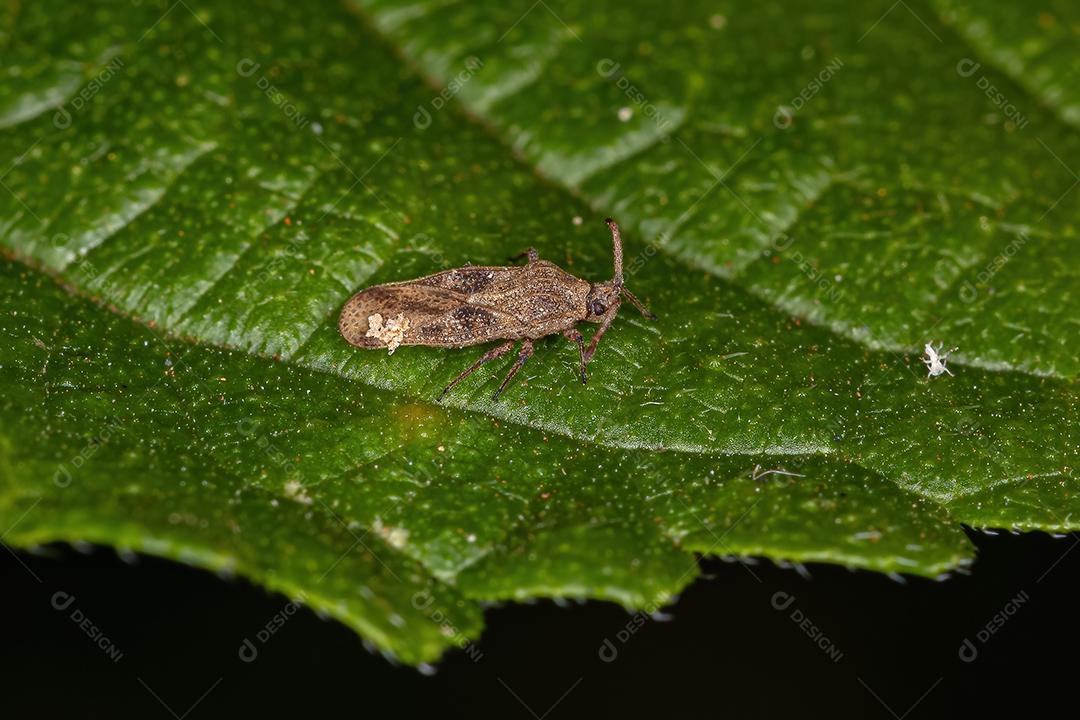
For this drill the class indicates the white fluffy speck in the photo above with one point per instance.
(935, 362)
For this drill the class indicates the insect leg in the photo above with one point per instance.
(605, 323)
(573, 335)
(490, 355)
(531, 253)
(525, 354)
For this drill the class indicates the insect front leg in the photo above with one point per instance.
(573, 335)
(525, 354)
(490, 355)
(530, 253)
(605, 323)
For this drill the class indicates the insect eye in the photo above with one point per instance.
(597, 307)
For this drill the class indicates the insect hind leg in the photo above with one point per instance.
(495, 352)
(525, 354)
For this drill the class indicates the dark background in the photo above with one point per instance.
(724, 650)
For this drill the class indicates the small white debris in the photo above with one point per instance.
(625, 114)
(578, 220)
(295, 491)
(396, 537)
(392, 333)
(935, 362)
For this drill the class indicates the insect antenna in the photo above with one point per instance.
(616, 240)
(617, 281)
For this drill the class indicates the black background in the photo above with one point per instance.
(724, 651)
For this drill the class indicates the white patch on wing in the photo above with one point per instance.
(392, 332)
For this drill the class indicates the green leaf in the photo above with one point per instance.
(193, 190)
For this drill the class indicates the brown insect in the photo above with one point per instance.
(478, 304)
